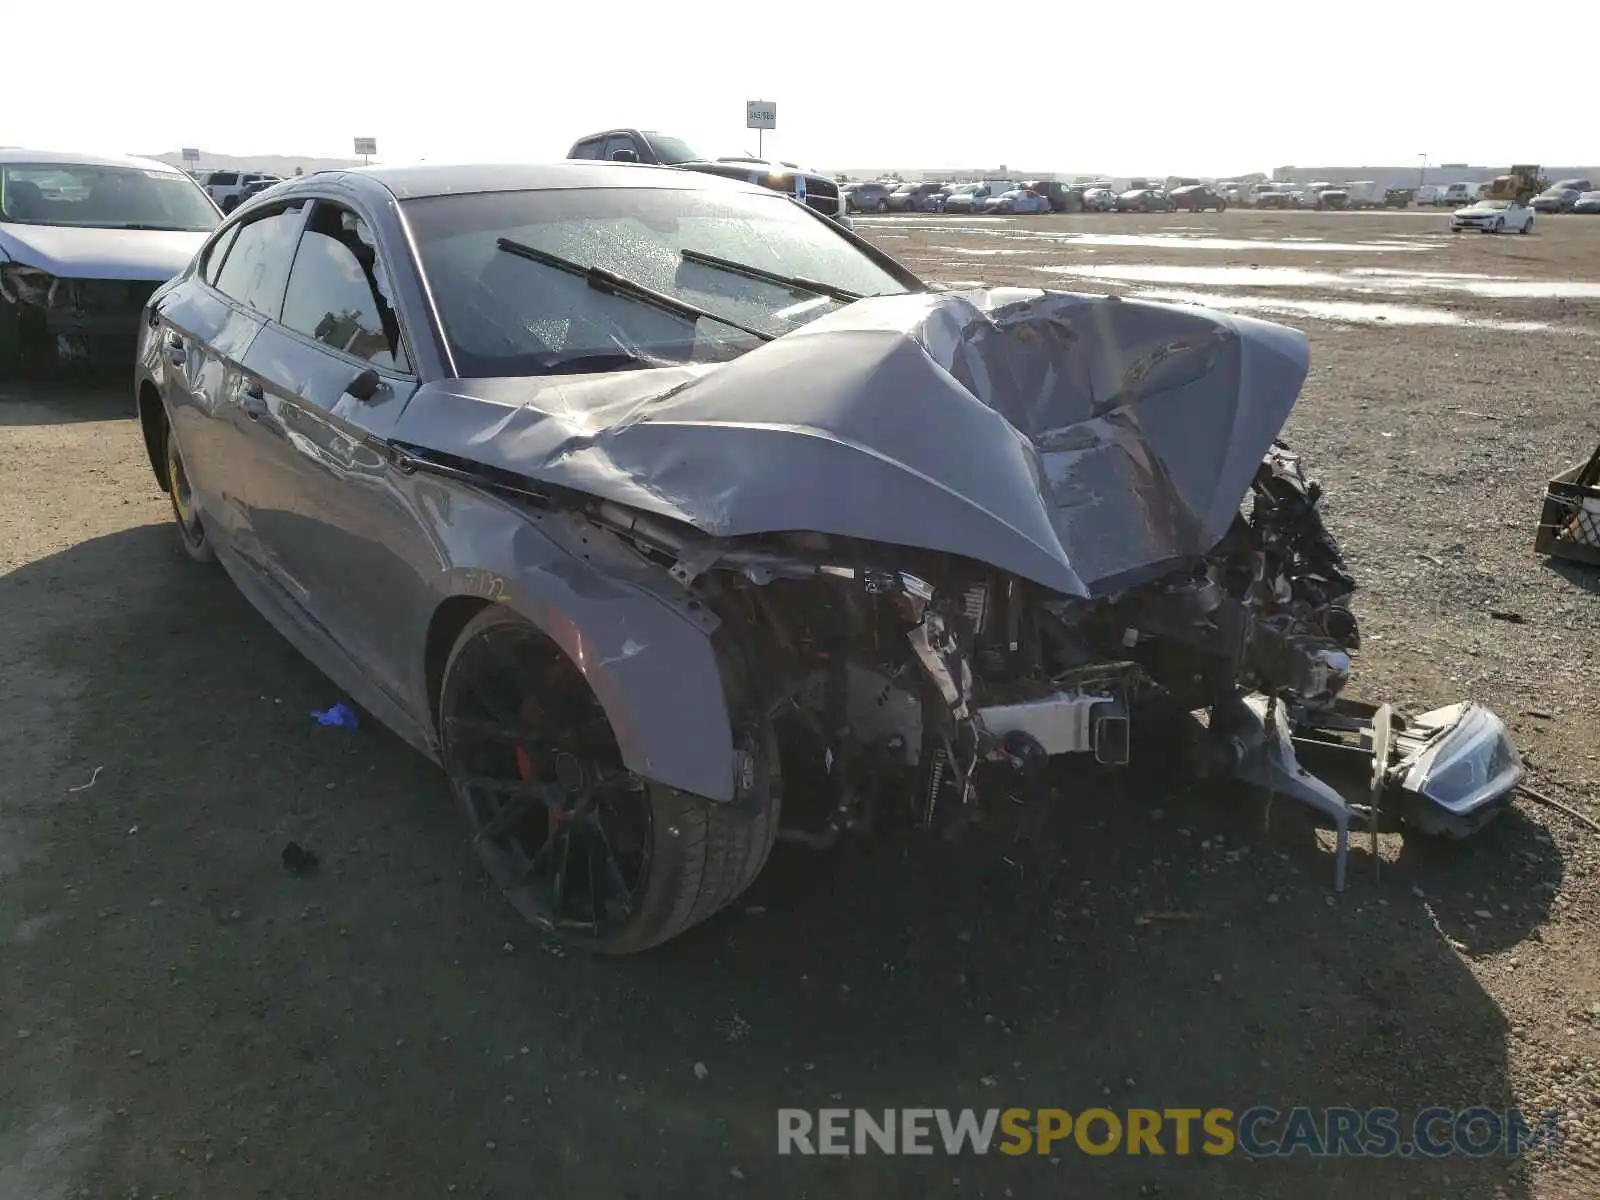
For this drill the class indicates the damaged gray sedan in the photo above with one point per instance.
(670, 519)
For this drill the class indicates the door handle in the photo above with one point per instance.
(254, 402)
(175, 351)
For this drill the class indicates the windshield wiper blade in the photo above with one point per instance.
(797, 282)
(603, 280)
(599, 360)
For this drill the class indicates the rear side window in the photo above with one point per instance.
(257, 265)
(588, 149)
(338, 290)
(223, 178)
(618, 142)
(217, 255)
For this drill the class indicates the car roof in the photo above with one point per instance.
(448, 179)
(16, 154)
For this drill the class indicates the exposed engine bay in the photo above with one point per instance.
(928, 687)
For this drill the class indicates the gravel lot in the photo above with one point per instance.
(179, 1016)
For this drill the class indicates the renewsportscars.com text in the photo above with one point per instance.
(1257, 1132)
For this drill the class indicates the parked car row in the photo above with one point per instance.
(1565, 195)
(1035, 196)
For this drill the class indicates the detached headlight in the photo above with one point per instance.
(38, 289)
(1465, 765)
(21, 284)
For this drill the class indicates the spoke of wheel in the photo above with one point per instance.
(559, 888)
(523, 800)
(532, 865)
(596, 907)
(613, 868)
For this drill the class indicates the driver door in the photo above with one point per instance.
(329, 378)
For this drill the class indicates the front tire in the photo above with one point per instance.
(1527, 226)
(191, 531)
(580, 845)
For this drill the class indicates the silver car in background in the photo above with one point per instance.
(84, 240)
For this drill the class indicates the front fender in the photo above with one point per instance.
(642, 644)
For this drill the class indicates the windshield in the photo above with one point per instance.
(673, 150)
(509, 314)
(1492, 204)
(103, 197)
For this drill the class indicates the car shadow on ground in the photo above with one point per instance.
(387, 1025)
(64, 398)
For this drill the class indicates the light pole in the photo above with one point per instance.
(1422, 171)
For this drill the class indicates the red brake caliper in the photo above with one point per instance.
(524, 763)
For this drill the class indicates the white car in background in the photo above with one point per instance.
(228, 189)
(1493, 216)
(84, 240)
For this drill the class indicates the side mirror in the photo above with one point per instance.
(365, 385)
(624, 156)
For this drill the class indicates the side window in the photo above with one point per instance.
(254, 271)
(618, 141)
(589, 149)
(217, 255)
(224, 178)
(338, 292)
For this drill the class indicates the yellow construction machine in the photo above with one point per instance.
(1521, 185)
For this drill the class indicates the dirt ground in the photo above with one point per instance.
(180, 1016)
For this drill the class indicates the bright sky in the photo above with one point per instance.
(1215, 87)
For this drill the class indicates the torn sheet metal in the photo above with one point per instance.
(1084, 442)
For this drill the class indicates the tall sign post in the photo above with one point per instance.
(191, 159)
(366, 147)
(760, 115)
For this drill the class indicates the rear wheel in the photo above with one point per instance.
(579, 844)
(184, 510)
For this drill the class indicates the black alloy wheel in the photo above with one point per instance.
(579, 844)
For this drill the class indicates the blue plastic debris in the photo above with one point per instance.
(339, 714)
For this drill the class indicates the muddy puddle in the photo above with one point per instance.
(1491, 287)
(1354, 312)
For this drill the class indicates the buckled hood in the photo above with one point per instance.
(1086, 443)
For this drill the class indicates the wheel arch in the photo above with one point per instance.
(153, 424)
(652, 666)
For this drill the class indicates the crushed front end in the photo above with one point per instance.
(919, 689)
(55, 319)
(956, 540)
